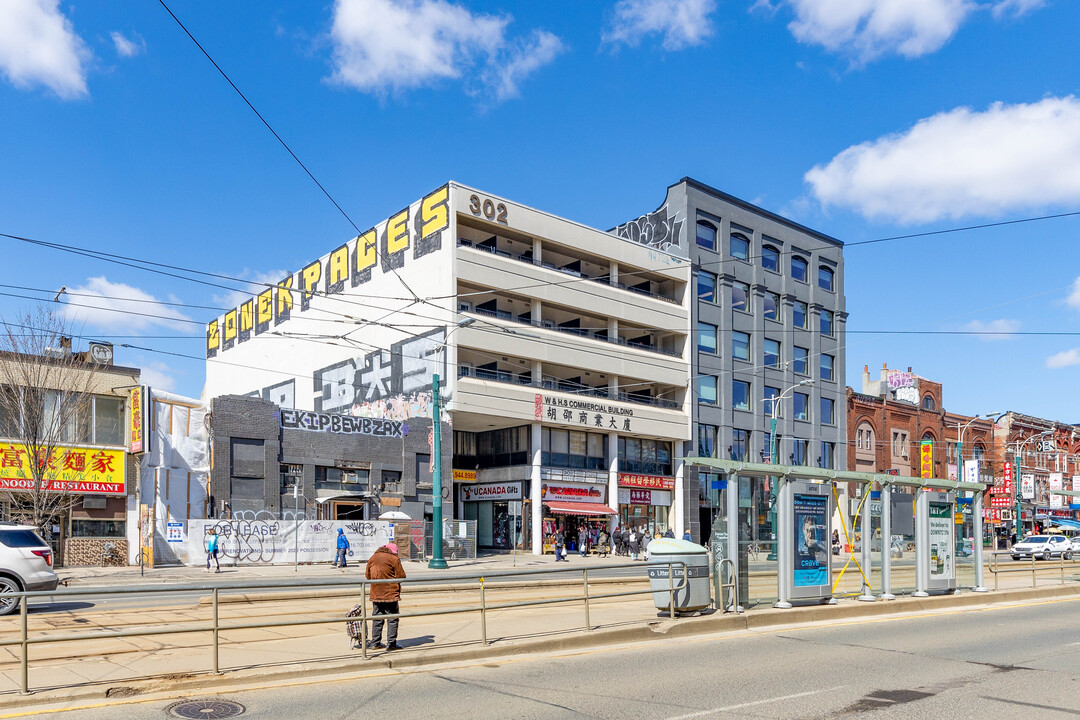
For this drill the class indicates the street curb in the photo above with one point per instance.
(646, 631)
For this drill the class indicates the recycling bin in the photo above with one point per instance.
(695, 595)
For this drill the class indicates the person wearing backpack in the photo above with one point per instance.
(633, 543)
(342, 550)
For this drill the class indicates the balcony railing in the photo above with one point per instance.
(602, 279)
(580, 332)
(565, 386)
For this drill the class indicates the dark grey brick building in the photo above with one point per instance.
(343, 467)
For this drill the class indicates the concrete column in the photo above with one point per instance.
(678, 502)
(538, 250)
(534, 493)
(613, 330)
(537, 311)
(977, 531)
(886, 543)
(733, 531)
(538, 373)
(613, 476)
(867, 536)
(922, 543)
(613, 271)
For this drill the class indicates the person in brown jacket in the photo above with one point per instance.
(384, 564)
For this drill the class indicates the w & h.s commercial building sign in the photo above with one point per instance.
(418, 227)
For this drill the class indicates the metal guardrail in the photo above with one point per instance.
(216, 627)
(1033, 568)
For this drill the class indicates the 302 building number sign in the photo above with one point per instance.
(489, 209)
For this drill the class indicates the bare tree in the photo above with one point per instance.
(46, 396)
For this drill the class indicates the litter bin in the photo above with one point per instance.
(695, 594)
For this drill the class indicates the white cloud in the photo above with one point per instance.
(38, 46)
(157, 375)
(868, 29)
(1073, 300)
(1001, 329)
(128, 48)
(1015, 8)
(682, 23)
(115, 306)
(385, 46)
(528, 57)
(961, 163)
(1064, 359)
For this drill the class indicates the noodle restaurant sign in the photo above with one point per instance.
(100, 471)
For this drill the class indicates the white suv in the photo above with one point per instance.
(25, 564)
(1043, 546)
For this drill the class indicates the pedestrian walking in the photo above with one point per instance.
(212, 550)
(560, 543)
(583, 540)
(384, 564)
(602, 544)
(686, 536)
(633, 544)
(670, 534)
(617, 539)
(342, 550)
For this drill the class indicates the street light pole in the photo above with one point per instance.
(1017, 478)
(976, 505)
(438, 562)
(773, 452)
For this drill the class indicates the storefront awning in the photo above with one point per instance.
(578, 508)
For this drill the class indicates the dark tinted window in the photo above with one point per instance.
(20, 538)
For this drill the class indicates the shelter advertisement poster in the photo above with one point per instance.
(941, 541)
(811, 545)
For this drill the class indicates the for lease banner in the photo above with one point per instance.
(66, 469)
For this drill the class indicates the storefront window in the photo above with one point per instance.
(98, 528)
(647, 457)
(707, 440)
(573, 449)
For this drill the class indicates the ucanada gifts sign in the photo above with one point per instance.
(99, 471)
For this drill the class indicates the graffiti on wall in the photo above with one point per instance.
(419, 227)
(283, 394)
(242, 542)
(394, 385)
(660, 229)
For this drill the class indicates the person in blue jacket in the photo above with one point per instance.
(342, 549)
(212, 550)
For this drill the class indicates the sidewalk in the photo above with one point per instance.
(100, 667)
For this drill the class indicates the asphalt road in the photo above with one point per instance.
(999, 662)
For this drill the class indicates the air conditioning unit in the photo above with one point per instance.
(465, 306)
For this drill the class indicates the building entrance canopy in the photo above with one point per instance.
(578, 508)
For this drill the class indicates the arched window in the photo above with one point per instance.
(770, 258)
(740, 246)
(928, 403)
(706, 235)
(978, 451)
(798, 268)
(825, 278)
(864, 437)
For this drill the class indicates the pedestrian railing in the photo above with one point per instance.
(1034, 567)
(215, 627)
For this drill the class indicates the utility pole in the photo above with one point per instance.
(437, 562)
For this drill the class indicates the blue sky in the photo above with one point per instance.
(861, 118)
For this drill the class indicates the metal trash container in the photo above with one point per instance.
(695, 595)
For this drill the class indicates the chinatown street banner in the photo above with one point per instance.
(98, 471)
(250, 542)
(656, 482)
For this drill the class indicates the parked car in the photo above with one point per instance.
(1043, 547)
(25, 564)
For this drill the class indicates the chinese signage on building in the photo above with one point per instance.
(68, 469)
(658, 482)
(926, 458)
(583, 413)
(636, 496)
(136, 419)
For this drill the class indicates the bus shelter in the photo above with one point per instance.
(802, 502)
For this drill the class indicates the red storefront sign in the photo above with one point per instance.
(653, 482)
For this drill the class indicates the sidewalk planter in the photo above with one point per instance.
(695, 595)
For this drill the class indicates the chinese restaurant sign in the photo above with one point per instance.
(69, 469)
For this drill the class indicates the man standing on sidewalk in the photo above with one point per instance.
(342, 550)
(384, 564)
